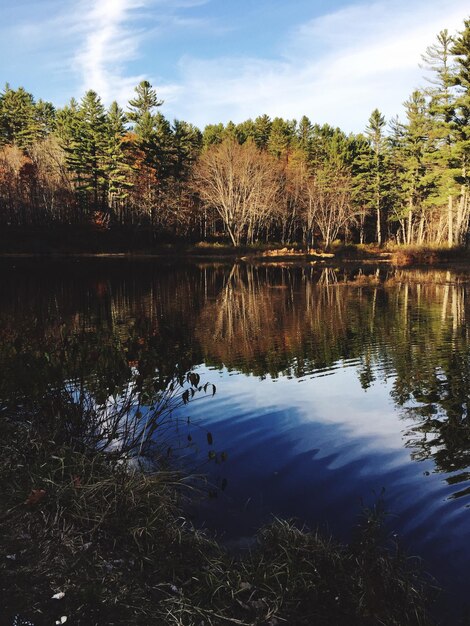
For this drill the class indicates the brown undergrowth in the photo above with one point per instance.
(405, 256)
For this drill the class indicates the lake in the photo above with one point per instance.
(335, 387)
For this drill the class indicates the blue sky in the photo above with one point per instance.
(216, 60)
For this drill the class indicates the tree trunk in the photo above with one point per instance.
(379, 226)
(421, 228)
(410, 222)
(450, 236)
(232, 236)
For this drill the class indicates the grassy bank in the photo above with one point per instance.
(406, 256)
(114, 540)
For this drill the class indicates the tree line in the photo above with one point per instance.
(261, 180)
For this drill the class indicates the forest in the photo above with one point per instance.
(405, 180)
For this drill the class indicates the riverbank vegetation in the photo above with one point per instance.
(89, 537)
(263, 180)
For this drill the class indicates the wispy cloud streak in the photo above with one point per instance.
(110, 41)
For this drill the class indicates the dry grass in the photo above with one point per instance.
(405, 256)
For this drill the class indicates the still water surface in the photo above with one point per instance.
(333, 386)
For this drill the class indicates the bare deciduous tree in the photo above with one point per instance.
(329, 193)
(241, 184)
(54, 187)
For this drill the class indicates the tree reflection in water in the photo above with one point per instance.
(147, 322)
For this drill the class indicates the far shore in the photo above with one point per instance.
(351, 254)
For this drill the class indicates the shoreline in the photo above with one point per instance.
(237, 256)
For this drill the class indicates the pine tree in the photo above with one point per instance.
(118, 161)
(461, 50)
(45, 118)
(282, 138)
(230, 132)
(245, 131)
(18, 123)
(66, 124)
(86, 142)
(187, 143)
(329, 144)
(141, 111)
(262, 131)
(371, 180)
(305, 135)
(187, 146)
(213, 134)
(443, 164)
(163, 147)
(410, 154)
(360, 148)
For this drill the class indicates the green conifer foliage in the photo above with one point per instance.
(141, 111)
(118, 160)
(443, 163)
(17, 117)
(262, 131)
(372, 171)
(245, 131)
(411, 180)
(282, 138)
(461, 50)
(45, 118)
(213, 134)
(187, 142)
(84, 131)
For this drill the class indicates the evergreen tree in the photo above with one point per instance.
(375, 133)
(187, 143)
(18, 123)
(230, 132)
(86, 146)
(438, 60)
(66, 123)
(141, 111)
(282, 138)
(118, 162)
(187, 146)
(461, 50)
(163, 147)
(305, 135)
(443, 164)
(213, 134)
(408, 165)
(262, 131)
(360, 192)
(45, 118)
(371, 177)
(245, 131)
(67, 129)
(329, 144)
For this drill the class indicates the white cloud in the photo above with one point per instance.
(109, 43)
(335, 68)
(112, 31)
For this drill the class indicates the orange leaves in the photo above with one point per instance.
(35, 497)
(100, 219)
